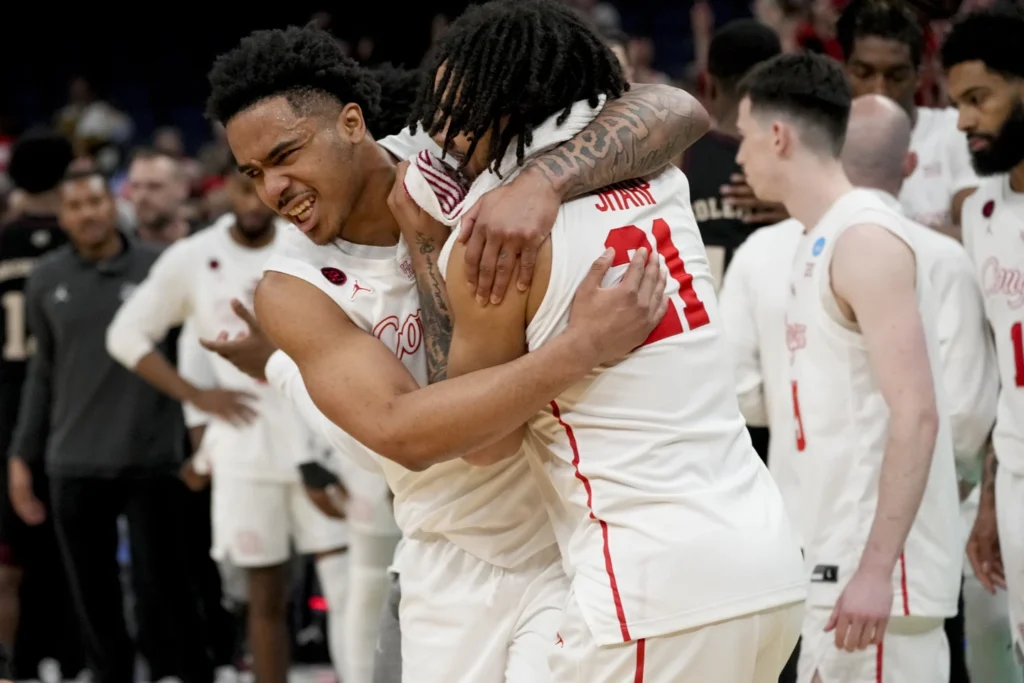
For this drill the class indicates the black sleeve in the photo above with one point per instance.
(30, 433)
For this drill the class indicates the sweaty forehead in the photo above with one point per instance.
(254, 132)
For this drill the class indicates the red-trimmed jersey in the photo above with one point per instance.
(666, 517)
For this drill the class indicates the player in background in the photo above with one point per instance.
(38, 161)
(710, 163)
(618, 42)
(985, 73)
(756, 292)
(879, 495)
(475, 540)
(259, 506)
(640, 479)
(735, 49)
(157, 190)
(884, 43)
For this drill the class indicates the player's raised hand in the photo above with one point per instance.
(612, 321)
(983, 549)
(249, 351)
(862, 612)
(509, 222)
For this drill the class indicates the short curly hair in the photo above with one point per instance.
(991, 36)
(39, 159)
(305, 65)
(398, 90)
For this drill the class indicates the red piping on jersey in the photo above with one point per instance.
(878, 664)
(619, 612)
(903, 584)
(641, 646)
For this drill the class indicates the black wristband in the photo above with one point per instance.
(316, 476)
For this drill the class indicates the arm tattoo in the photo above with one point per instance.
(633, 136)
(436, 312)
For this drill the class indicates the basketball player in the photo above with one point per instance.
(754, 298)
(38, 160)
(646, 462)
(985, 71)
(259, 508)
(883, 43)
(860, 342)
(477, 546)
(735, 49)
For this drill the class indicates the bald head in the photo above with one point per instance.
(875, 153)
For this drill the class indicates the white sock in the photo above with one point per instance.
(333, 571)
(368, 588)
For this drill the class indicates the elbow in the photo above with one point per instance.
(403, 451)
(918, 424)
(122, 347)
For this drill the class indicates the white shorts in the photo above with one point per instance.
(914, 650)
(255, 523)
(466, 621)
(1010, 517)
(748, 649)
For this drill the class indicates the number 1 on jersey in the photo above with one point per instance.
(1017, 337)
(629, 238)
(801, 442)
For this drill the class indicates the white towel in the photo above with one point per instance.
(430, 182)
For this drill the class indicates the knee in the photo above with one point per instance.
(268, 593)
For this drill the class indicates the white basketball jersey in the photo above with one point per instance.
(993, 233)
(841, 430)
(666, 517)
(943, 167)
(493, 513)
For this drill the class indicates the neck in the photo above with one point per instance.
(829, 182)
(725, 120)
(103, 251)
(255, 241)
(42, 204)
(371, 222)
(1017, 178)
(165, 233)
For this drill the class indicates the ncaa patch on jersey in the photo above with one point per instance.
(819, 246)
(334, 276)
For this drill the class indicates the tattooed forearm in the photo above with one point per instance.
(634, 135)
(434, 306)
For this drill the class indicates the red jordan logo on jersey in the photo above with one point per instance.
(559, 642)
(356, 288)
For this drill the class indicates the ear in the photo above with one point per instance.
(782, 138)
(351, 124)
(909, 164)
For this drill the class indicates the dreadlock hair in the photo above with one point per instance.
(39, 158)
(991, 36)
(887, 19)
(305, 65)
(809, 89)
(398, 88)
(737, 48)
(521, 59)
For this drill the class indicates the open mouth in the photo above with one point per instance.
(977, 143)
(303, 214)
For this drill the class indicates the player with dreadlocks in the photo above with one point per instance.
(682, 562)
(479, 570)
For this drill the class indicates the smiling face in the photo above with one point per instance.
(302, 164)
(991, 109)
